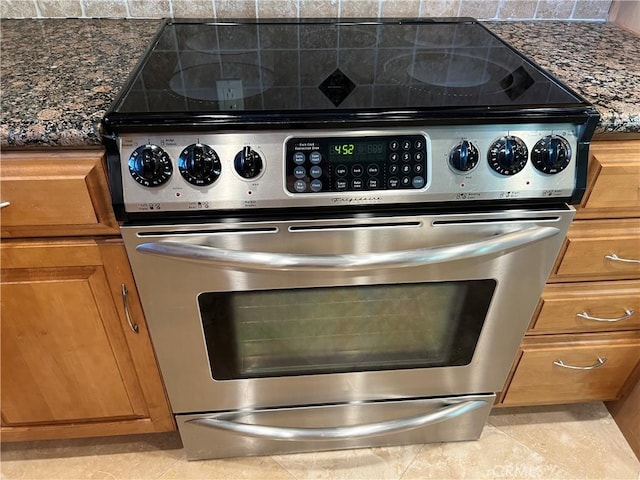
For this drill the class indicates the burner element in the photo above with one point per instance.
(337, 87)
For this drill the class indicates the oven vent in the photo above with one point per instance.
(211, 231)
(340, 226)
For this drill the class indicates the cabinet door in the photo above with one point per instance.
(613, 187)
(578, 368)
(600, 250)
(55, 194)
(71, 363)
(588, 307)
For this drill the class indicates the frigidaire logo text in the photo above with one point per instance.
(356, 199)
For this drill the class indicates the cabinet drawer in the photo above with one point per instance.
(601, 365)
(55, 194)
(613, 187)
(588, 307)
(591, 249)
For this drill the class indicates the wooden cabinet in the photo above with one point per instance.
(55, 193)
(76, 356)
(589, 314)
(600, 249)
(612, 184)
(588, 307)
(573, 368)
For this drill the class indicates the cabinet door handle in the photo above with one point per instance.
(601, 362)
(628, 314)
(125, 303)
(615, 258)
(4, 204)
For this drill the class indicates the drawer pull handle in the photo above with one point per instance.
(125, 303)
(615, 258)
(628, 314)
(4, 204)
(601, 362)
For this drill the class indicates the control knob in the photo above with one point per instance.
(508, 155)
(464, 157)
(551, 154)
(150, 165)
(199, 164)
(248, 163)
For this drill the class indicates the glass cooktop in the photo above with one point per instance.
(275, 66)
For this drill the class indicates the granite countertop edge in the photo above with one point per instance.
(51, 98)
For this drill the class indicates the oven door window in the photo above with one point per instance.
(343, 329)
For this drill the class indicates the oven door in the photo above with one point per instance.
(268, 313)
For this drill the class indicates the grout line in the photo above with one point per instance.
(38, 13)
(412, 461)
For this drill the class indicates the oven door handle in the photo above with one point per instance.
(228, 421)
(290, 261)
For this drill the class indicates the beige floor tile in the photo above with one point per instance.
(583, 439)
(69, 468)
(361, 464)
(258, 468)
(126, 457)
(494, 455)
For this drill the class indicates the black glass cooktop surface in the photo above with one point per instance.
(274, 66)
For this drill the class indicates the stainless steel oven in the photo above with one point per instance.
(339, 230)
(398, 321)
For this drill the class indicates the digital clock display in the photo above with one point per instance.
(369, 151)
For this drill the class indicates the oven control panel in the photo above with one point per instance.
(188, 171)
(347, 164)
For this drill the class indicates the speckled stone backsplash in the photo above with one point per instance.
(592, 10)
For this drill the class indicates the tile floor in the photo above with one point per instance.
(570, 442)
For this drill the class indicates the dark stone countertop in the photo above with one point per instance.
(60, 76)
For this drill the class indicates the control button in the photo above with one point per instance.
(248, 163)
(299, 158)
(394, 144)
(341, 184)
(406, 168)
(315, 157)
(357, 184)
(394, 157)
(299, 172)
(464, 157)
(357, 170)
(373, 169)
(551, 154)
(373, 183)
(300, 186)
(418, 168)
(418, 156)
(406, 156)
(199, 165)
(405, 181)
(340, 170)
(417, 182)
(393, 182)
(315, 171)
(150, 165)
(508, 155)
(393, 169)
(418, 144)
(406, 144)
(316, 185)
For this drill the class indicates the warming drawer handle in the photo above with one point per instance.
(601, 362)
(290, 261)
(615, 258)
(228, 421)
(628, 314)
